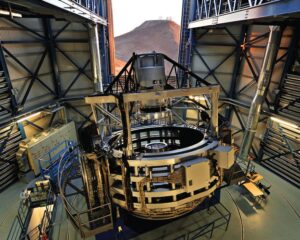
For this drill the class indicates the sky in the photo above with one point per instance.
(128, 14)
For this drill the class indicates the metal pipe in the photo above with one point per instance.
(95, 57)
(262, 84)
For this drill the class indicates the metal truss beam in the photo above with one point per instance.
(76, 78)
(83, 123)
(34, 125)
(78, 8)
(61, 30)
(75, 10)
(52, 56)
(73, 62)
(45, 41)
(87, 118)
(211, 71)
(36, 34)
(266, 10)
(237, 66)
(34, 75)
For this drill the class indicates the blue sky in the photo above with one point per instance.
(129, 14)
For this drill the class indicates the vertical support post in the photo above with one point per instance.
(188, 13)
(95, 115)
(52, 56)
(262, 84)
(129, 149)
(214, 113)
(22, 130)
(104, 46)
(191, 39)
(63, 114)
(95, 57)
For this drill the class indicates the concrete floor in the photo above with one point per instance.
(278, 218)
(9, 204)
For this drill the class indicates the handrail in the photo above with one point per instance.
(208, 9)
(92, 5)
(67, 169)
(15, 230)
(19, 227)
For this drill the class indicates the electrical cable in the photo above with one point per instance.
(240, 216)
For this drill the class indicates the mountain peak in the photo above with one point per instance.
(155, 24)
(152, 35)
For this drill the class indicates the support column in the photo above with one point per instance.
(214, 113)
(95, 57)
(129, 148)
(262, 84)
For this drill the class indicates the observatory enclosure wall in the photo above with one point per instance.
(224, 42)
(45, 60)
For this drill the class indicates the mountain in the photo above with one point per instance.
(156, 35)
(119, 64)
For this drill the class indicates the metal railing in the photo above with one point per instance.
(19, 227)
(48, 163)
(92, 5)
(213, 8)
(89, 221)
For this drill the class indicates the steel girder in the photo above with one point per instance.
(213, 12)
(237, 66)
(71, 10)
(52, 56)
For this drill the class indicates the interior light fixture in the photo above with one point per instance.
(278, 120)
(29, 116)
(8, 13)
(197, 98)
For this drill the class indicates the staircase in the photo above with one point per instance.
(8, 103)
(281, 152)
(9, 134)
(5, 99)
(10, 138)
(289, 101)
